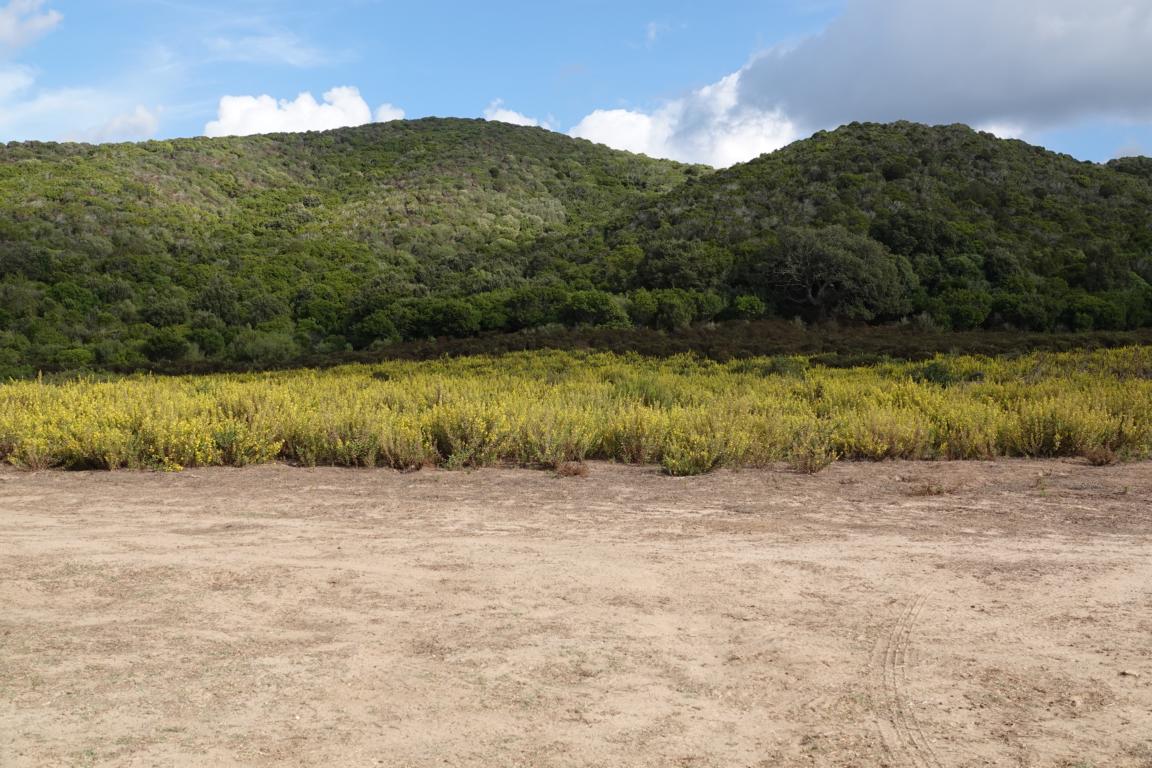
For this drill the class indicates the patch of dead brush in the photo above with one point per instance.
(572, 469)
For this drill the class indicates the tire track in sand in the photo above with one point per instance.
(903, 737)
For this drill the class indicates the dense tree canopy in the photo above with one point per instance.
(262, 249)
(965, 231)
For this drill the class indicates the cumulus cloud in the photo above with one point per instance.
(497, 112)
(1003, 130)
(342, 107)
(91, 114)
(139, 124)
(708, 126)
(1012, 68)
(1030, 64)
(28, 110)
(386, 113)
(23, 21)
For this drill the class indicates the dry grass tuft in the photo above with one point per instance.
(1102, 456)
(572, 469)
(928, 489)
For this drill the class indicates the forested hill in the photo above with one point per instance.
(880, 222)
(264, 249)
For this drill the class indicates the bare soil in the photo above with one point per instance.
(918, 615)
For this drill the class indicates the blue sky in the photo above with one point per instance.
(712, 82)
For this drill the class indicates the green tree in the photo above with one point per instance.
(166, 345)
(595, 308)
(533, 306)
(376, 328)
(434, 317)
(263, 347)
(963, 309)
(748, 308)
(694, 265)
(665, 309)
(835, 273)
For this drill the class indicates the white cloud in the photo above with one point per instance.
(1012, 68)
(497, 112)
(91, 114)
(22, 21)
(110, 112)
(1003, 130)
(139, 124)
(274, 48)
(707, 126)
(628, 130)
(386, 113)
(14, 80)
(342, 107)
(1031, 64)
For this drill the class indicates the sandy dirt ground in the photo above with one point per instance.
(906, 615)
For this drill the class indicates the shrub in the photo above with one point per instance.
(546, 409)
(552, 436)
(697, 444)
(812, 450)
(469, 434)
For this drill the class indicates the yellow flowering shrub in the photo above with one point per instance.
(543, 409)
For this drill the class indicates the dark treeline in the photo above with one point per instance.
(263, 251)
(780, 341)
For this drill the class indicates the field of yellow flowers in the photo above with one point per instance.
(544, 409)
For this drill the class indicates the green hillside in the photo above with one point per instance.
(267, 249)
(881, 222)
